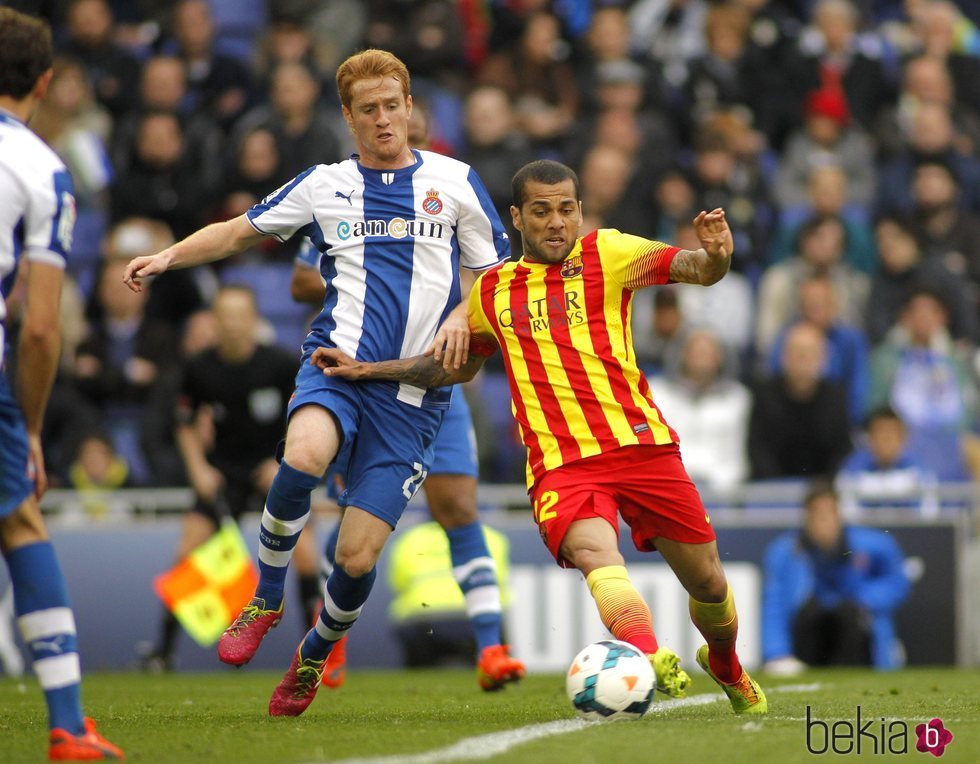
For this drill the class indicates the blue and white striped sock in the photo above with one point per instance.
(47, 626)
(342, 601)
(287, 508)
(476, 573)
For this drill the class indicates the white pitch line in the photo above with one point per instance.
(496, 743)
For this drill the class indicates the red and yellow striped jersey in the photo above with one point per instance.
(564, 331)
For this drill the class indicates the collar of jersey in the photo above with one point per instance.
(401, 170)
(6, 116)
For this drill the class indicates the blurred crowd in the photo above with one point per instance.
(842, 138)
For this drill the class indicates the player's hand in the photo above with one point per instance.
(334, 362)
(35, 465)
(143, 267)
(714, 234)
(452, 342)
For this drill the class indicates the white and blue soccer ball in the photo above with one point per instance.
(610, 680)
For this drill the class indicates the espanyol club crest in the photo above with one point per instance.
(432, 203)
(572, 267)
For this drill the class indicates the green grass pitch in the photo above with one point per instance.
(413, 717)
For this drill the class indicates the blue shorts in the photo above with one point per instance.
(386, 448)
(15, 485)
(455, 445)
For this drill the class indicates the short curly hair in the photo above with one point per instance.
(25, 52)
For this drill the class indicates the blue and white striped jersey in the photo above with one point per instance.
(37, 206)
(392, 243)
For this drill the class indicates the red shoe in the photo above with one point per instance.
(297, 688)
(88, 746)
(335, 671)
(241, 640)
(496, 668)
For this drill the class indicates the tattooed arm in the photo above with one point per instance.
(705, 266)
(420, 370)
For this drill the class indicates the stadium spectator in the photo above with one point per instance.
(883, 471)
(832, 54)
(946, 231)
(830, 593)
(799, 427)
(674, 203)
(539, 79)
(386, 467)
(96, 471)
(819, 252)
(847, 360)
(257, 165)
(670, 33)
(495, 148)
(588, 459)
(902, 270)
(921, 374)
(230, 411)
(36, 219)
(827, 195)
(160, 182)
(827, 137)
(217, 84)
(699, 393)
(925, 80)
(163, 88)
(658, 328)
(303, 130)
(606, 175)
(112, 71)
(118, 362)
(932, 140)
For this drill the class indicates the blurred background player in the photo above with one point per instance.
(37, 216)
(388, 295)
(230, 410)
(598, 447)
(450, 491)
(830, 592)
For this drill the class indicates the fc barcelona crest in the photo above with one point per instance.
(432, 203)
(572, 267)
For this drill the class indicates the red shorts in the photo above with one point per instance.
(647, 485)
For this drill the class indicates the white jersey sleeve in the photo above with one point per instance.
(483, 242)
(288, 209)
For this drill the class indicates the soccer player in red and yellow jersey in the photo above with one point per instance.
(598, 447)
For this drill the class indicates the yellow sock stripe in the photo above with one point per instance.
(719, 618)
(621, 608)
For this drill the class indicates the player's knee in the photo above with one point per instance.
(587, 558)
(710, 585)
(23, 526)
(357, 562)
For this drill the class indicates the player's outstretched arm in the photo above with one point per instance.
(420, 370)
(214, 242)
(705, 266)
(451, 345)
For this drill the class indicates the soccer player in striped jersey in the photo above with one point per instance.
(597, 444)
(37, 216)
(403, 233)
(450, 491)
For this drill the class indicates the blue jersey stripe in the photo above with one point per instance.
(63, 193)
(501, 243)
(389, 263)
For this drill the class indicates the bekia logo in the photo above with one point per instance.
(873, 736)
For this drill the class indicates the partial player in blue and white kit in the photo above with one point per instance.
(451, 494)
(37, 216)
(402, 233)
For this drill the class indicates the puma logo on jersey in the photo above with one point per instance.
(338, 194)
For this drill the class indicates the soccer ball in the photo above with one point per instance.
(610, 680)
